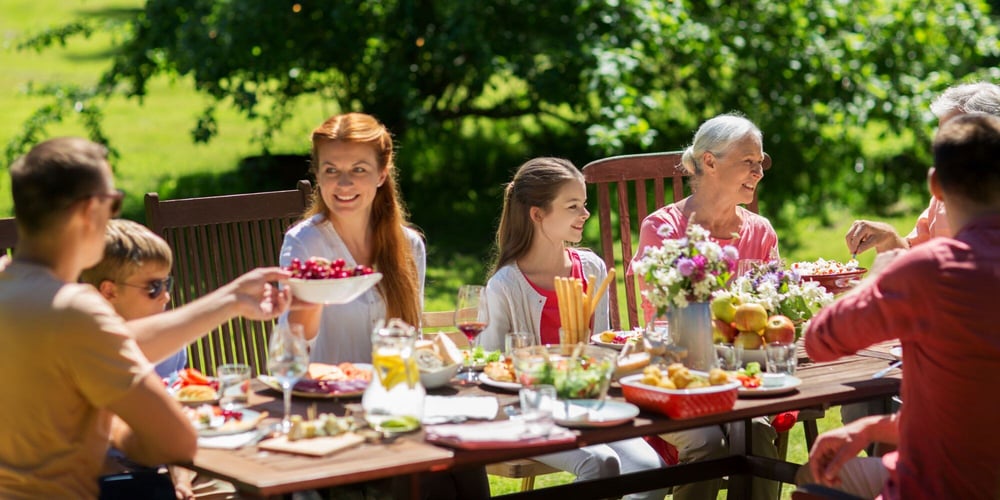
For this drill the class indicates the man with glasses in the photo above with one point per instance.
(77, 376)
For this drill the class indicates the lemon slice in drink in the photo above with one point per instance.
(392, 370)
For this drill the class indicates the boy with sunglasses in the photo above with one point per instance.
(134, 276)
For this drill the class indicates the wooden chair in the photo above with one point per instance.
(216, 239)
(8, 236)
(632, 178)
(524, 469)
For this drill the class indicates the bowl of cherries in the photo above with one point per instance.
(321, 281)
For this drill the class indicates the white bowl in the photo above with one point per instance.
(333, 290)
(439, 377)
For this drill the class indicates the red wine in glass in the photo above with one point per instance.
(472, 329)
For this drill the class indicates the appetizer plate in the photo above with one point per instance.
(591, 413)
(790, 384)
(473, 363)
(218, 427)
(896, 351)
(596, 339)
(507, 386)
(317, 394)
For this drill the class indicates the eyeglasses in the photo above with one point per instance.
(116, 201)
(155, 288)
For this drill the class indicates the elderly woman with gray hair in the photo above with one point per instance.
(726, 161)
(979, 97)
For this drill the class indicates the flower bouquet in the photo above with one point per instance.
(679, 279)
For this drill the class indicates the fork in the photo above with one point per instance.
(885, 371)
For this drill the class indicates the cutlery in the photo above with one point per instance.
(883, 372)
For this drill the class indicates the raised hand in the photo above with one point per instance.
(257, 298)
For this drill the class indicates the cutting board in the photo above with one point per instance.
(317, 447)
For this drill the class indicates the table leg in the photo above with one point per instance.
(741, 445)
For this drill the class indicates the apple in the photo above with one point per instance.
(779, 329)
(724, 308)
(721, 329)
(748, 340)
(750, 318)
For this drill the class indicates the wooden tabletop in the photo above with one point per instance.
(261, 473)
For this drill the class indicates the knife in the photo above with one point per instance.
(883, 372)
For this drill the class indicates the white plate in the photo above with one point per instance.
(333, 290)
(248, 421)
(897, 351)
(584, 413)
(596, 339)
(507, 386)
(791, 383)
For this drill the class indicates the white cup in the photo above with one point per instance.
(536, 409)
(781, 357)
(234, 385)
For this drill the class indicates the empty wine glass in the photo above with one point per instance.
(471, 318)
(287, 360)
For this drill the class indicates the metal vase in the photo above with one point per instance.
(691, 331)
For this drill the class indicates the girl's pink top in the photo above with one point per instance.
(551, 323)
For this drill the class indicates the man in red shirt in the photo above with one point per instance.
(937, 299)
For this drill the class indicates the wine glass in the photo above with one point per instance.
(287, 360)
(471, 318)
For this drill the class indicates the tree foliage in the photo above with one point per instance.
(840, 87)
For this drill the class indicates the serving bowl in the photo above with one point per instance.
(440, 377)
(680, 403)
(577, 371)
(333, 290)
(836, 283)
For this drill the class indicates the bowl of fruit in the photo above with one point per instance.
(834, 276)
(577, 371)
(321, 281)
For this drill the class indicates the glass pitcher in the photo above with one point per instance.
(395, 392)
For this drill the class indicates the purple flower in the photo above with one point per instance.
(685, 266)
(700, 261)
(730, 253)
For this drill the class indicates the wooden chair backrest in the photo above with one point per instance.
(8, 235)
(431, 322)
(216, 239)
(624, 185)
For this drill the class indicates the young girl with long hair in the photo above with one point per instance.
(545, 208)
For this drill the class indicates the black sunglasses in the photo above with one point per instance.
(116, 201)
(155, 288)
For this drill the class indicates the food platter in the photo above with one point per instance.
(837, 282)
(323, 389)
(789, 385)
(596, 339)
(583, 413)
(220, 426)
(507, 386)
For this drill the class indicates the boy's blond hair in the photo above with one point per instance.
(128, 246)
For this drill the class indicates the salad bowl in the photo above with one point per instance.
(576, 371)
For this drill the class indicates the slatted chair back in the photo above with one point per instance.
(216, 239)
(630, 187)
(8, 236)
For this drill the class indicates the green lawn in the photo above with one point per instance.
(156, 152)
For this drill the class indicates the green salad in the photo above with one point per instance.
(587, 378)
(478, 356)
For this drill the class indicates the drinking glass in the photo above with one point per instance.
(781, 357)
(471, 318)
(730, 356)
(536, 409)
(287, 360)
(517, 340)
(234, 385)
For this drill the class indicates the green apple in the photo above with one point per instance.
(750, 318)
(748, 340)
(724, 308)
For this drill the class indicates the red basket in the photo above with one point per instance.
(836, 283)
(680, 403)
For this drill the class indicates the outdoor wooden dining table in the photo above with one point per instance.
(265, 474)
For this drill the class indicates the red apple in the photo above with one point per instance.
(779, 329)
(722, 331)
(750, 318)
(748, 340)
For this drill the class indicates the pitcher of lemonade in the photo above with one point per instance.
(394, 399)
